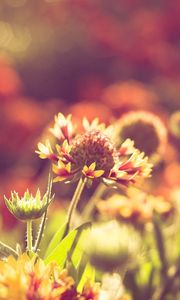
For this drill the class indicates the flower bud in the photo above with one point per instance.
(27, 207)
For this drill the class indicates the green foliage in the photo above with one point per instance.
(6, 250)
(87, 276)
(56, 239)
(64, 250)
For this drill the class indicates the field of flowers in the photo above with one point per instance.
(89, 150)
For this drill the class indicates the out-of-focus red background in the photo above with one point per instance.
(88, 57)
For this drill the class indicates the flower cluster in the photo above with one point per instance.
(136, 208)
(92, 154)
(28, 279)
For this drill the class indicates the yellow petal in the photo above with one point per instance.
(98, 173)
(61, 164)
(59, 178)
(85, 123)
(92, 166)
(68, 167)
(85, 169)
(69, 117)
(66, 146)
(55, 168)
(58, 148)
(41, 147)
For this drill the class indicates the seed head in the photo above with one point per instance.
(93, 146)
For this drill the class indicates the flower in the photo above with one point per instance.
(63, 128)
(125, 95)
(146, 130)
(136, 208)
(112, 287)
(28, 207)
(29, 278)
(127, 147)
(93, 146)
(90, 292)
(45, 151)
(115, 252)
(90, 171)
(62, 170)
(93, 154)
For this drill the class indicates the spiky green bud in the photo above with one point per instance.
(27, 207)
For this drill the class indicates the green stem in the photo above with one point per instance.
(168, 286)
(44, 218)
(29, 235)
(40, 232)
(93, 200)
(160, 246)
(74, 202)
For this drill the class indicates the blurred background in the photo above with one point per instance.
(89, 58)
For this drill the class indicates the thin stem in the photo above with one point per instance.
(160, 246)
(93, 200)
(168, 286)
(74, 202)
(29, 235)
(44, 218)
(40, 232)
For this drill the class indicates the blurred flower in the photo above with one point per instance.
(31, 279)
(90, 110)
(112, 287)
(89, 292)
(93, 154)
(136, 208)
(174, 124)
(172, 174)
(27, 207)
(129, 95)
(10, 83)
(117, 252)
(146, 130)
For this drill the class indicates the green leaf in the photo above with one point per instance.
(87, 276)
(159, 238)
(144, 273)
(56, 239)
(66, 247)
(78, 250)
(60, 253)
(6, 251)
